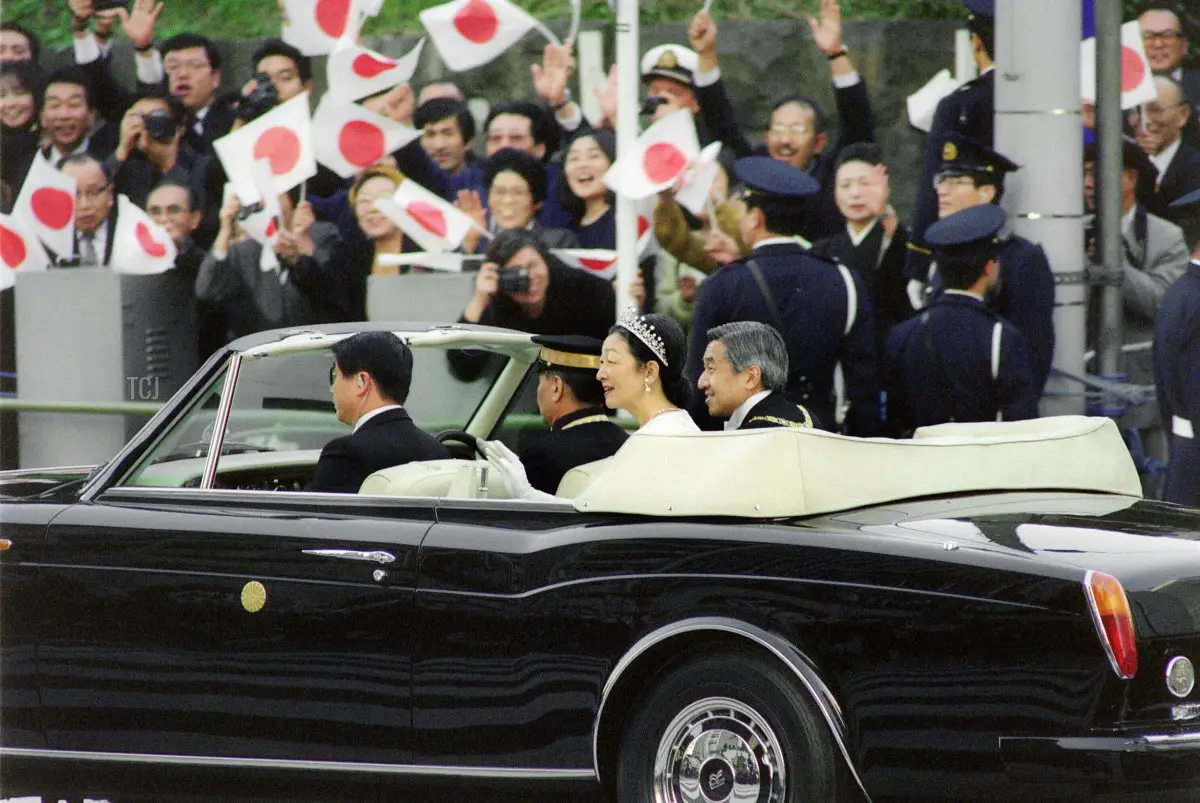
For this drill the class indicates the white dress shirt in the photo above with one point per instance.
(743, 409)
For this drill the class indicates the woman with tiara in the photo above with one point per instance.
(641, 371)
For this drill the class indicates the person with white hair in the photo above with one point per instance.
(745, 373)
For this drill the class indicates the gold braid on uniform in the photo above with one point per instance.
(783, 422)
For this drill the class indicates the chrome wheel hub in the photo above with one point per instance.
(719, 750)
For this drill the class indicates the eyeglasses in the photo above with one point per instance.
(1161, 36)
(1156, 111)
(91, 195)
(503, 193)
(952, 181)
(195, 65)
(333, 373)
(170, 209)
(795, 129)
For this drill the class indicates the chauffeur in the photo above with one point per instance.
(820, 308)
(571, 402)
(745, 372)
(958, 361)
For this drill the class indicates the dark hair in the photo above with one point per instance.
(35, 44)
(544, 130)
(175, 106)
(523, 164)
(508, 242)
(184, 41)
(961, 267)
(70, 75)
(675, 385)
(819, 121)
(87, 159)
(384, 356)
(195, 204)
(782, 217)
(985, 29)
(867, 152)
(30, 78)
(585, 387)
(278, 47)
(437, 109)
(571, 203)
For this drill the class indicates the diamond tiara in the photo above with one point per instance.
(643, 331)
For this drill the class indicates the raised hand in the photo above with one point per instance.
(702, 34)
(551, 76)
(827, 31)
(138, 24)
(721, 247)
(606, 97)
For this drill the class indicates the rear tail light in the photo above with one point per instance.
(1113, 620)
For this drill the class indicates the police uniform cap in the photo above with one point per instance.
(981, 8)
(965, 155)
(569, 352)
(670, 61)
(975, 225)
(1132, 158)
(766, 176)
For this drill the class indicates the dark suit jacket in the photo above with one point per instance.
(388, 439)
(569, 444)
(777, 410)
(1182, 176)
(72, 260)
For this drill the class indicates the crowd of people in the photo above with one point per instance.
(885, 327)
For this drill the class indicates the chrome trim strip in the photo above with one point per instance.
(221, 422)
(781, 649)
(514, 773)
(352, 554)
(1169, 741)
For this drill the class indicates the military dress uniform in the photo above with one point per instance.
(820, 307)
(1177, 380)
(957, 360)
(777, 410)
(577, 438)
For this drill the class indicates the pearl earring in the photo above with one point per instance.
(647, 384)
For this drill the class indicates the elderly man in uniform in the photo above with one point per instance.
(972, 174)
(1177, 376)
(821, 309)
(958, 361)
(745, 372)
(571, 402)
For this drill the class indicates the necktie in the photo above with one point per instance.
(87, 250)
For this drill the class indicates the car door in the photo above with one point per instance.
(192, 622)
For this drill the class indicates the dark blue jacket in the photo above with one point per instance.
(940, 368)
(1177, 379)
(813, 299)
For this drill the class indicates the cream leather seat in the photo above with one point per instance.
(450, 478)
(577, 480)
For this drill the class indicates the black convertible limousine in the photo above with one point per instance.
(985, 612)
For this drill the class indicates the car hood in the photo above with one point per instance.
(40, 482)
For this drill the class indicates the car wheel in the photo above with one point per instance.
(730, 727)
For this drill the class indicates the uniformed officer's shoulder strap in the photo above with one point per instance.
(851, 297)
(997, 337)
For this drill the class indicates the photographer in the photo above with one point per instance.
(521, 286)
(151, 150)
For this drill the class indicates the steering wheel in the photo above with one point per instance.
(460, 438)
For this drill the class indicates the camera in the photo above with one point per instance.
(105, 5)
(651, 104)
(514, 280)
(160, 126)
(260, 100)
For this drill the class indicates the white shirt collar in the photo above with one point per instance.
(857, 239)
(1127, 219)
(1163, 160)
(967, 293)
(774, 241)
(57, 156)
(739, 415)
(368, 416)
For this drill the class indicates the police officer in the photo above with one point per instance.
(957, 361)
(571, 402)
(819, 307)
(1177, 375)
(970, 111)
(971, 174)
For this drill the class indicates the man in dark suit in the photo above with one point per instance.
(95, 214)
(957, 361)
(1166, 44)
(571, 402)
(1159, 127)
(970, 111)
(192, 65)
(745, 373)
(821, 309)
(68, 116)
(370, 378)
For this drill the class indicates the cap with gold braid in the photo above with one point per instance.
(569, 353)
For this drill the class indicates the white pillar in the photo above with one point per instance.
(1038, 126)
(629, 81)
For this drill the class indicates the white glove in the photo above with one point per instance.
(916, 293)
(508, 465)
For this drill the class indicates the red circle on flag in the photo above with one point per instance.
(146, 240)
(643, 225)
(271, 228)
(1133, 69)
(12, 247)
(596, 264)
(281, 147)
(54, 208)
(332, 15)
(662, 161)
(361, 143)
(429, 216)
(477, 22)
(367, 66)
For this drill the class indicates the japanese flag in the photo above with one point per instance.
(447, 261)
(434, 224)
(469, 33)
(348, 137)
(698, 179)
(645, 226)
(1137, 81)
(47, 204)
(139, 244)
(663, 153)
(315, 26)
(597, 261)
(283, 136)
(260, 215)
(19, 250)
(355, 72)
